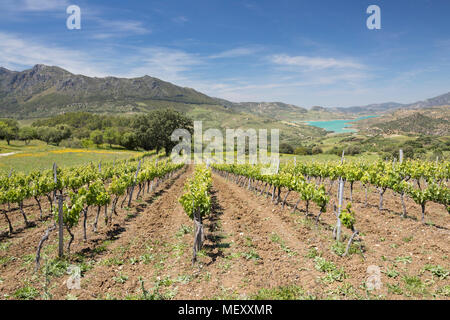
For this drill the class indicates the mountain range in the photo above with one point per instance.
(442, 100)
(44, 91)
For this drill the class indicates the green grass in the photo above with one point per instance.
(292, 292)
(392, 273)
(312, 253)
(437, 271)
(414, 285)
(146, 258)
(178, 249)
(5, 260)
(323, 157)
(404, 260)
(38, 155)
(57, 267)
(370, 157)
(407, 239)
(394, 289)
(155, 293)
(345, 290)
(183, 230)
(4, 246)
(26, 293)
(114, 261)
(251, 255)
(121, 278)
(339, 248)
(333, 273)
(443, 291)
(277, 239)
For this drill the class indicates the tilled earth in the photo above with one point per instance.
(251, 244)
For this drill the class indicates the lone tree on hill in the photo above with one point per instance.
(153, 130)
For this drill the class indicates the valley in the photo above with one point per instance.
(100, 131)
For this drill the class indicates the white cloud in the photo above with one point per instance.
(180, 20)
(16, 52)
(236, 52)
(128, 26)
(44, 5)
(34, 5)
(109, 29)
(314, 62)
(186, 69)
(164, 63)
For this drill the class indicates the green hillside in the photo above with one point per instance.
(426, 121)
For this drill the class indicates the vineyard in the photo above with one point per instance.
(423, 182)
(146, 228)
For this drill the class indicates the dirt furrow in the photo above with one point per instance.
(257, 248)
(139, 249)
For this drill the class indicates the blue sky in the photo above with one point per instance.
(301, 52)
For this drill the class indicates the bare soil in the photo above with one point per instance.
(251, 244)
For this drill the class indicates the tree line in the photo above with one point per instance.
(151, 131)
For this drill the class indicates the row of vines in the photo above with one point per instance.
(196, 202)
(80, 188)
(421, 181)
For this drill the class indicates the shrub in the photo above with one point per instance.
(352, 150)
(317, 150)
(286, 148)
(72, 143)
(303, 151)
(97, 137)
(335, 150)
(408, 152)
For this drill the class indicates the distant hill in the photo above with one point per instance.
(428, 121)
(372, 108)
(44, 90)
(442, 100)
(275, 110)
(416, 123)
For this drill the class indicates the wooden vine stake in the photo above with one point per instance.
(198, 232)
(349, 243)
(9, 205)
(351, 226)
(60, 213)
(134, 183)
(402, 195)
(41, 243)
(157, 179)
(55, 179)
(340, 201)
(60, 226)
(274, 187)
